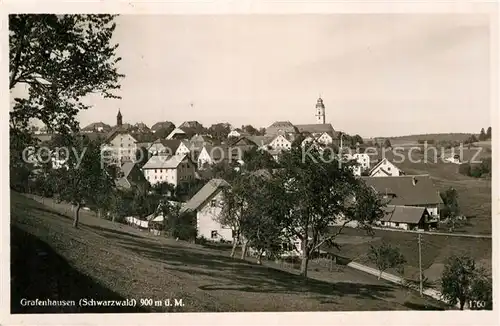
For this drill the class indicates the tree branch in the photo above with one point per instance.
(331, 237)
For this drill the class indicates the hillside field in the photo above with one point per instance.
(108, 260)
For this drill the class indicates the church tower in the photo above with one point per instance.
(119, 119)
(320, 112)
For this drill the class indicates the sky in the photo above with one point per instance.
(378, 74)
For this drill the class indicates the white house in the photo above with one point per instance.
(324, 139)
(168, 147)
(384, 168)
(234, 133)
(280, 142)
(452, 159)
(175, 169)
(363, 160)
(207, 205)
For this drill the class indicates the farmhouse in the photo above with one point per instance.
(207, 205)
(130, 176)
(384, 168)
(416, 190)
(175, 169)
(407, 218)
(168, 147)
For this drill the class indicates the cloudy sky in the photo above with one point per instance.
(379, 75)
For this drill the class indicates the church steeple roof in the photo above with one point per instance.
(119, 115)
(319, 103)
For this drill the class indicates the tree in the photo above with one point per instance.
(219, 131)
(61, 59)
(358, 140)
(86, 178)
(451, 210)
(386, 256)
(265, 223)
(465, 169)
(387, 143)
(319, 192)
(463, 281)
(482, 135)
(256, 159)
(176, 223)
(250, 130)
(235, 209)
(488, 133)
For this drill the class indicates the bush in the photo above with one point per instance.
(465, 169)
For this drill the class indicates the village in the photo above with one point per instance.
(269, 205)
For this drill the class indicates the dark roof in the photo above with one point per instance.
(95, 125)
(404, 192)
(403, 214)
(261, 140)
(95, 135)
(285, 126)
(223, 152)
(161, 125)
(140, 137)
(171, 144)
(316, 128)
(209, 190)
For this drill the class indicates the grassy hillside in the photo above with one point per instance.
(118, 261)
(435, 249)
(437, 137)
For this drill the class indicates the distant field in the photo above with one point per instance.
(437, 137)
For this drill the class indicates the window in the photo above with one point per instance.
(155, 170)
(213, 203)
(156, 177)
(397, 224)
(213, 234)
(388, 168)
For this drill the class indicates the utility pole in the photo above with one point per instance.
(420, 262)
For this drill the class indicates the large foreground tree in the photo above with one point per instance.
(60, 59)
(321, 192)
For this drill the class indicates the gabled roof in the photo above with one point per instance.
(164, 162)
(404, 191)
(220, 153)
(171, 144)
(127, 168)
(403, 214)
(261, 140)
(376, 166)
(209, 190)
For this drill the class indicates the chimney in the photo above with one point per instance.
(414, 180)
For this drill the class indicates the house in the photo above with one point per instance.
(215, 154)
(407, 218)
(141, 127)
(363, 160)
(385, 168)
(168, 147)
(96, 127)
(281, 127)
(162, 125)
(408, 190)
(322, 133)
(261, 141)
(175, 169)
(178, 133)
(235, 133)
(130, 176)
(198, 141)
(207, 205)
(281, 142)
(455, 159)
(193, 125)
